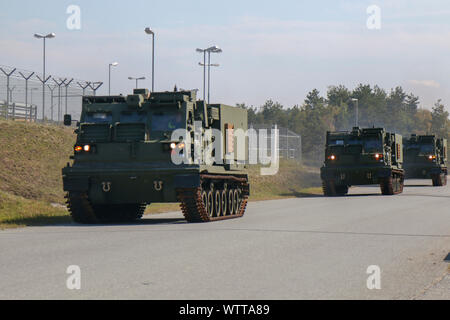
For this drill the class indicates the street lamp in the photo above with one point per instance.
(209, 76)
(213, 49)
(137, 79)
(356, 111)
(44, 80)
(114, 64)
(152, 33)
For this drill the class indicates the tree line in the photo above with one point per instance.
(395, 110)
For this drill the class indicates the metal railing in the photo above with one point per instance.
(18, 111)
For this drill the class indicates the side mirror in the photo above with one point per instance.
(67, 120)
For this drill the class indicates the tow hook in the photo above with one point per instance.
(158, 185)
(106, 186)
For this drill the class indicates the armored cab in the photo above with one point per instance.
(426, 158)
(159, 147)
(362, 157)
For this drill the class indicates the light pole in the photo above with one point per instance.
(137, 79)
(209, 65)
(44, 80)
(356, 111)
(213, 49)
(204, 70)
(114, 64)
(152, 33)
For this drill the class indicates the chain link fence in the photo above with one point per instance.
(21, 95)
(289, 144)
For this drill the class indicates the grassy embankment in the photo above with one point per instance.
(31, 158)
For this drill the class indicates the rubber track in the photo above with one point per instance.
(82, 211)
(387, 186)
(80, 208)
(192, 206)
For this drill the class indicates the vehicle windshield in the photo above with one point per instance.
(422, 149)
(98, 117)
(336, 142)
(132, 117)
(167, 122)
(372, 145)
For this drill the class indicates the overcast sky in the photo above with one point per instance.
(276, 50)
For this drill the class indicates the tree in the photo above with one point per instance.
(439, 120)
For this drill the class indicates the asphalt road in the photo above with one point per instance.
(299, 248)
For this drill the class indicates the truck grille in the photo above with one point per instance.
(95, 132)
(130, 132)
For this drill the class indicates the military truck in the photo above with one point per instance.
(362, 157)
(123, 158)
(426, 158)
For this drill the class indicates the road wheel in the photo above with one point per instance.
(231, 202)
(224, 201)
(217, 203)
(210, 204)
(236, 201)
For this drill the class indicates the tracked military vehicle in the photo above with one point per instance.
(123, 158)
(426, 158)
(362, 157)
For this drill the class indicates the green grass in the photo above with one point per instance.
(32, 156)
(16, 211)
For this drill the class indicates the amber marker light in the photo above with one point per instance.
(78, 148)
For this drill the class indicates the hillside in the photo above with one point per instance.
(32, 155)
